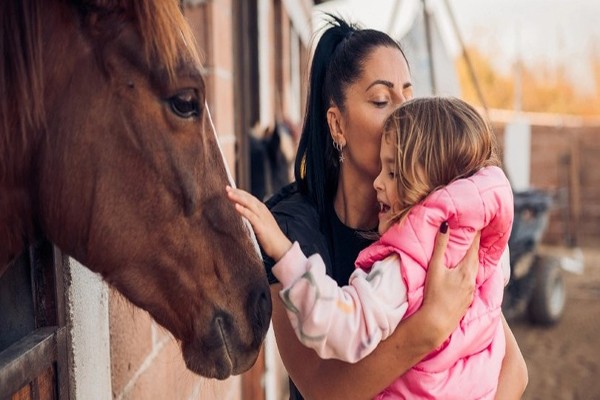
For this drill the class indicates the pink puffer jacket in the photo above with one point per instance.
(467, 365)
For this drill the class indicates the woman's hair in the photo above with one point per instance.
(437, 140)
(337, 62)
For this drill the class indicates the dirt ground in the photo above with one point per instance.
(564, 360)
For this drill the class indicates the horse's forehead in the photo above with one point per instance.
(180, 61)
(151, 35)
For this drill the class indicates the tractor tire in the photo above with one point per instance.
(547, 302)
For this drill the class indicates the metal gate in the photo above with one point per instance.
(33, 335)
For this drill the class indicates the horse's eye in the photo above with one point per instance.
(185, 104)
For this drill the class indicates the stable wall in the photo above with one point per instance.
(565, 161)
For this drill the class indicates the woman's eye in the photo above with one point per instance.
(380, 104)
(185, 104)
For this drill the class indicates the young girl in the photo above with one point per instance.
(438, 163)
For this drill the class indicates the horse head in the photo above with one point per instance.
(119, 166)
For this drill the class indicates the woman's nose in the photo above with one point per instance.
(402, 99)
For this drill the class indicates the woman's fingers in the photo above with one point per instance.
(449, 291)
(470, 263)
(466, 271)
(439, 248)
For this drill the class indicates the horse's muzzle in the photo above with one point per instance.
(230, 347)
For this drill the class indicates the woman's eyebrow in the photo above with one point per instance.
(380, 82)
(387, 84)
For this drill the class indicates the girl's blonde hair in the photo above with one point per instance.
(437, 140)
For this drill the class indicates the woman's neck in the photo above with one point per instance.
(355, 201)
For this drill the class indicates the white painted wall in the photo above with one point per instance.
(295, 99)
(267, 114)
(89, 340)
(517, 153)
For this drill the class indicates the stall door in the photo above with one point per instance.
(33, 336)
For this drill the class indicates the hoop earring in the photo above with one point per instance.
(340, 150)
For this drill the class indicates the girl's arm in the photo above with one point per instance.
(346, 323)
(513, 376)
(448, 294)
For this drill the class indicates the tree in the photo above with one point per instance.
(543, 89)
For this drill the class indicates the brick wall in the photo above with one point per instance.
(146, 361)
(565, 161)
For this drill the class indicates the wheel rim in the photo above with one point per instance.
(557, 299)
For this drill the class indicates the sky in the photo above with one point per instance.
(551, 32)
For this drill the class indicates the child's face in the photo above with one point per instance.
(386, 186)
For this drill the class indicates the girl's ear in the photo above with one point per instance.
(334, 120)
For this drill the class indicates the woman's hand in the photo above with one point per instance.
(449, 291)
(272, 240)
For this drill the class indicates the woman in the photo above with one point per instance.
(358, 77)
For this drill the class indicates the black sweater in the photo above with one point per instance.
(337, 244)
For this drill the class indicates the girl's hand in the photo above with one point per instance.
(272, 240)
(449, 291)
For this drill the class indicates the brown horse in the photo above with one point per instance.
(106, 150)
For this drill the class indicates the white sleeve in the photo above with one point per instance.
(345, 323)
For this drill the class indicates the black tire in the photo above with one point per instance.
(547, 302)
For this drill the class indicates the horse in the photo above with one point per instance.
(107, 150)
(272, 151)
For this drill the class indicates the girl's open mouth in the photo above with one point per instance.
(383, 208)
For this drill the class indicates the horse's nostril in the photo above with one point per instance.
(260, 307)
(264, 304)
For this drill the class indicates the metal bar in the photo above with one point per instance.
(43, 283)
(429, 44)
(466, 56)
(27, 358)
(63, 362)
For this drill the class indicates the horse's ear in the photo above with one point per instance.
(107, 5)
(94, 13)
(274, 140)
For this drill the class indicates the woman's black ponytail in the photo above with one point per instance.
(311, 169)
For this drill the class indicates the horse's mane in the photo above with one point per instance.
(162, 28)
(21, 82)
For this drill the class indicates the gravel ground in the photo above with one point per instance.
(564, 359)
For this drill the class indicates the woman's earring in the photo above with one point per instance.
(340, 150)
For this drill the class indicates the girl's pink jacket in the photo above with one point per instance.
(467, 365)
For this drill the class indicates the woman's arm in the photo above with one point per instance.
(513, 376)
(448, 294)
